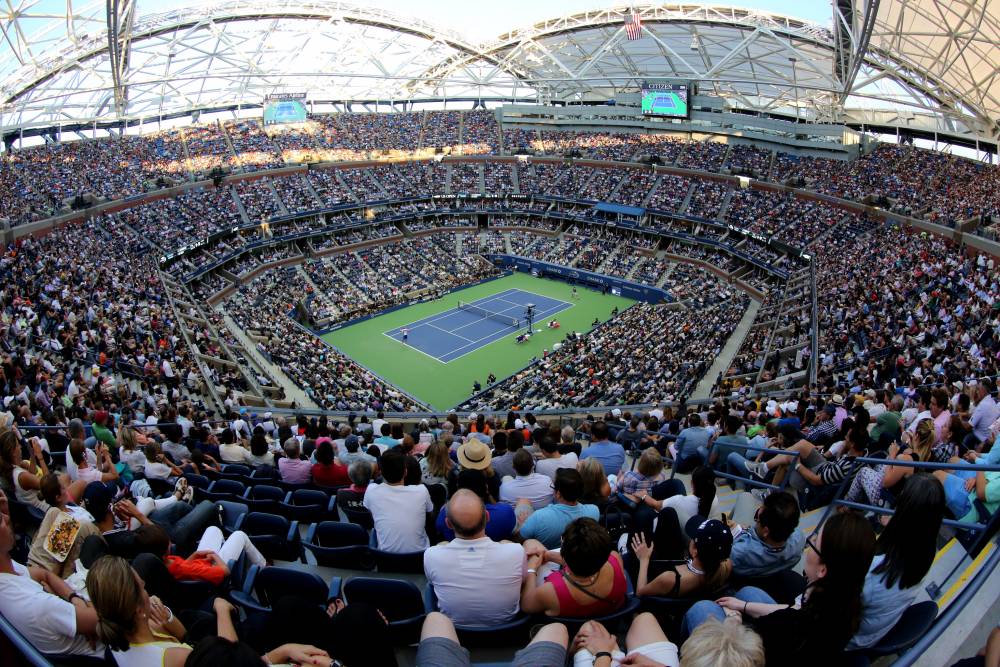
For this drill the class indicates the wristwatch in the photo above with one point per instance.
(602, 654)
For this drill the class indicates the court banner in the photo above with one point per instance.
(625, 288)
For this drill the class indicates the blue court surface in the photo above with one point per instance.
(456, 332)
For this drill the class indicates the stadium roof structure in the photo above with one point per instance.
(928, 65)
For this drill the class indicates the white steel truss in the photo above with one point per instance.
(932, 63)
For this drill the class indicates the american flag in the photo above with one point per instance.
(633, 26)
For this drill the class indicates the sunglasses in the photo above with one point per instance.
(812, 545)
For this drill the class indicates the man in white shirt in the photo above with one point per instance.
(400, 512)
(456, 569)
(59, 622)
(526, 485)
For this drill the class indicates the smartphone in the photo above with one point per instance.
(725, 519)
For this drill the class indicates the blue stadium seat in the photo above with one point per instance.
(275, 536)
(362, 518)
(403, 563)
(265, 586)
(235, 472)
(338, 544)
(910, 627)
(199, 483)
(307, 506)
(231, 515)
(265, 475)
(289, 487)
(400, 601)
(264, 498)
(225, 489)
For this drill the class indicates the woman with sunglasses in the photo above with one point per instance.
(817, 628)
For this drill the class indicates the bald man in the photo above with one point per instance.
(477, 581)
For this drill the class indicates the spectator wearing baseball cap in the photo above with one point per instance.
(103, 432)
(707, 566)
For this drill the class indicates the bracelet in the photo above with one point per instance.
(74, 594)
(745, 606)
(170, 614)
(531, 570)
(602, 654)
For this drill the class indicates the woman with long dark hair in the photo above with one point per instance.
(818, 627)
(903, 555)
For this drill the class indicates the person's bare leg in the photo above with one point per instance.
(803, 448)
(553, 632)
(645, 630)
(438, 625)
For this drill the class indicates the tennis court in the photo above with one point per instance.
(461, 330)
(443, 384)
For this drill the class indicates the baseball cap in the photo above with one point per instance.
(352, 442)
(616, 412)
(829, 409)
(97, 500)
(712, 539)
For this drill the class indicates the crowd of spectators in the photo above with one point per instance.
(330, 379)
(602, 368)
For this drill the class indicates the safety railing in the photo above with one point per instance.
(749, 481)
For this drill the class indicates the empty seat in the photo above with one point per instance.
(276, 537)
(265, 586)
(338, 544)
(225, 489)
(401, 563)
(264, 498)
(400, 601)
(307, 506)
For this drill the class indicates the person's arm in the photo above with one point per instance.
(808, 474)
(126, 509)
(212, 557)
(224, 619)
(981, 485)
(86, 616)
(163, 618)
(297, 654)
(751, 609)
(533, 597)
(895, 473)
(109, 472)
(643, 587)
(174, 470)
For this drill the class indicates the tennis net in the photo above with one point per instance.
(489, 314)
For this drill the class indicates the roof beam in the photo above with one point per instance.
(120, 17)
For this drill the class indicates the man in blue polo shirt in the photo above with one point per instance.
(692, 446)
(547, 524)
(610, 454)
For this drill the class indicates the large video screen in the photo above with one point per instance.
(277, 111)
(665, 99)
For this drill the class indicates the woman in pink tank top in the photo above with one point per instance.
(591, 581)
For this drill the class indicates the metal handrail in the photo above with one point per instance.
(750, 481)
(945, 620)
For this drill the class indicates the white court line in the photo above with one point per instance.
(540, 317)
(546, 313)
(447, 332)
(414, 348)
(451, 311)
